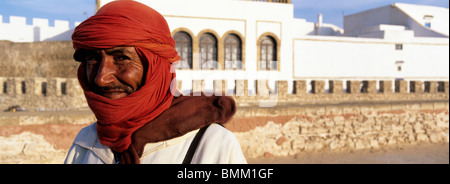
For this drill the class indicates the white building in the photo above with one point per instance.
(17, 30)
(399, 41)
(261, 39)
(421, 21)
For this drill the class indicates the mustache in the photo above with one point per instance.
(113, 87)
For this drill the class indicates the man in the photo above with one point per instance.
(126, 53)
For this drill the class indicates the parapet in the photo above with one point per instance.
(41, 93)
(39, 30)
(324, 91)
(37, 22)
(66, 93)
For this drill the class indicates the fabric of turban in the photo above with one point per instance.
(129, 23)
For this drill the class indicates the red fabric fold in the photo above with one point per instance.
(126, 23)
(129, 23)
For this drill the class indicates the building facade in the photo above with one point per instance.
(261, 40)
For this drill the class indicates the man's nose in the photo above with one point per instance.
(106, 71)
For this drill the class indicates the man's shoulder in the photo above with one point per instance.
(87, 137)
(219, 133)
(219, 146)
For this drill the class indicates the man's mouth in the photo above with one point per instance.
(113, 94)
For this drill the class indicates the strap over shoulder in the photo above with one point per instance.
(191, 151)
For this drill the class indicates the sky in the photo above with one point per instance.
(78, 10)
(333, 11)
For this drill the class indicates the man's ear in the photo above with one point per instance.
(79, 55)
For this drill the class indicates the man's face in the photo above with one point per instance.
(113, 73)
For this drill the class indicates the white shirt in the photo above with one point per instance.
(217, 146)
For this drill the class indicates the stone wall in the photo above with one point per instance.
(36, 93)
(41, 94)
(39, 59)
(279, 131)
(337, 92)
(289, 130)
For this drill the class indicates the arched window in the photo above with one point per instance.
(208, 51)
(233, 52)
(184, 49)
(268, 54)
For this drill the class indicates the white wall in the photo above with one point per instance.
(408, 15)
(439, 22)
(357, 58)
(17, 30)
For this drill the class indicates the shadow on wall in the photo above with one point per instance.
(64, 36)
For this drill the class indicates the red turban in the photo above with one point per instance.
(129, 23)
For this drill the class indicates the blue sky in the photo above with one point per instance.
(71, 10)
(334, 10)
(78, 10)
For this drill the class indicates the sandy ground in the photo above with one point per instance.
(62, 135)
(418, 154)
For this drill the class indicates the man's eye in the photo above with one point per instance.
(91, 60)
(121, 58)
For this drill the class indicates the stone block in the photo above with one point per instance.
(446, 87)
(369, 87)
(299, 87)
(20, 86)
(335, 86)
(61, 86)
(318, 87)
(401, 86)
(421, 137)
(262, 88)
(431, 87)
(299, 143)
(73, 88)
(282, 88)
(220, 87)
(52, 89)
(353, 87)
(372, 88)
(386, 87)
(416, 87)
(197, 86)
(280, 141)
(241, 88)
(374, 144)
(359, 144)
(435, 138)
